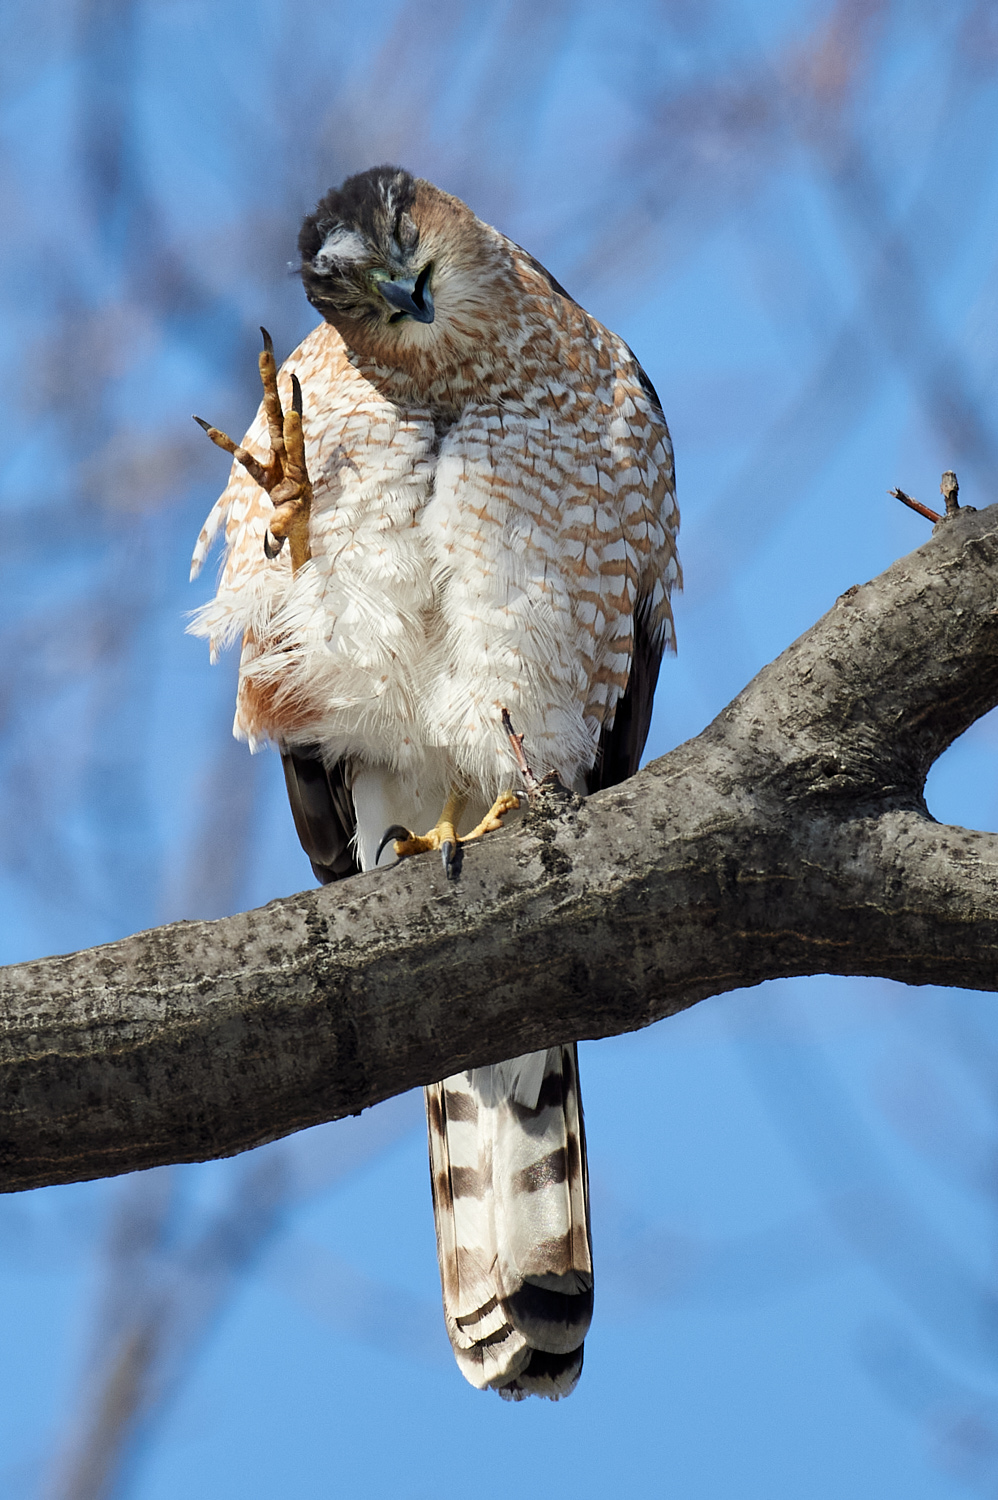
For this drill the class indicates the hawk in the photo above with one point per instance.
(457, 498)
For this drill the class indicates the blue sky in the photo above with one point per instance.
(790, 213)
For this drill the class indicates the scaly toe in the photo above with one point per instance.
(492, 821)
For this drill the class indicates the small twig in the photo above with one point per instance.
(949, 489)
(516, 740)
(923, 510)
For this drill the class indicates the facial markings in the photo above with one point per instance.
(342, 245)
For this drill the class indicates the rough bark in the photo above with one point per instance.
(790, 838)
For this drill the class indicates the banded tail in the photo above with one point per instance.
(511, 1203)
(507, 1145)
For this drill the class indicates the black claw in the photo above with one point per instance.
(268, 342)
(447, 852)
(272, 545)
(395, 832)
(202, 423)
(296, 394)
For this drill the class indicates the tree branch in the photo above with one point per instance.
(790, 838)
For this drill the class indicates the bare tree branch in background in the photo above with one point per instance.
(169, 1269)
(712, 151)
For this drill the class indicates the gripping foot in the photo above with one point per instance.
(444, 835)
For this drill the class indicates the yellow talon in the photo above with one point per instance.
(444, 835)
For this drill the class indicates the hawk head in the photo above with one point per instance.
(407, 275)
(361, 261)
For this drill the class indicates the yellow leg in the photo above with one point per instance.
(444, 835)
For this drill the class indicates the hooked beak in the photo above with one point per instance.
(411, 297)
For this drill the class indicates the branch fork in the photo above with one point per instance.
(948, 488)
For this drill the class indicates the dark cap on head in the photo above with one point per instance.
(373, 202)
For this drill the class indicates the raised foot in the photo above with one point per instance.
(444, 836)
(285, 475)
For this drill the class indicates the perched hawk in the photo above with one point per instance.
(475, 482)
